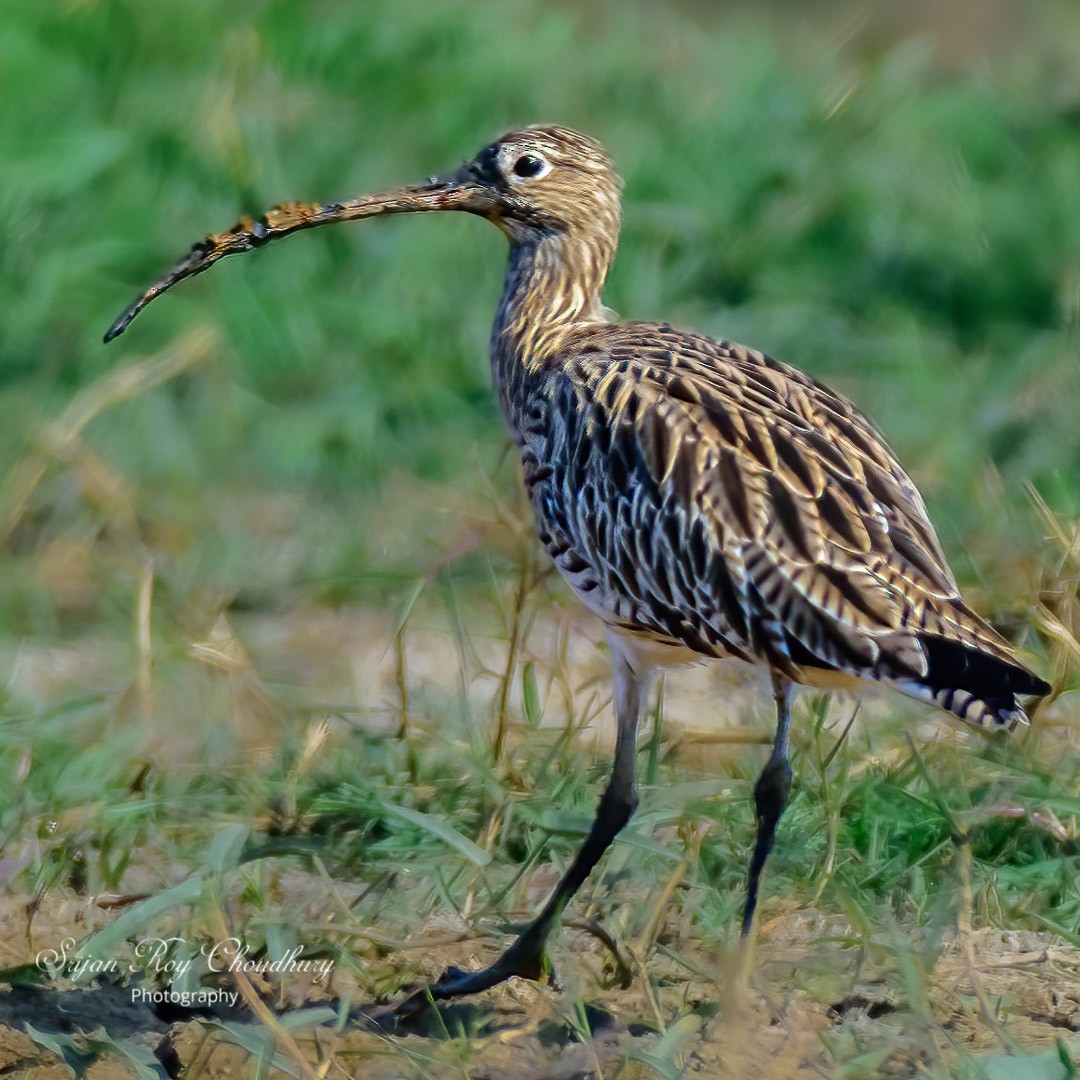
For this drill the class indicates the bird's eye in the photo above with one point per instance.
(530, 166)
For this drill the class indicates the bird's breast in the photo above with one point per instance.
(600, 536)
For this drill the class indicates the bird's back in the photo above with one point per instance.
(705, 498)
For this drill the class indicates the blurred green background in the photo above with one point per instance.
(886, 200)
(885, 196)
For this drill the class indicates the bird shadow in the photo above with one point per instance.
(449, 1020)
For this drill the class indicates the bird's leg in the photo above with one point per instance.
(770, 797)
(526, 958)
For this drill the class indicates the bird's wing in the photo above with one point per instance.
(749, 499)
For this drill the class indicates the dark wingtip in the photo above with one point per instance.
(952, 663)
(1041, 687)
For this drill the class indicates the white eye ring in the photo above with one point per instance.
(530, 165)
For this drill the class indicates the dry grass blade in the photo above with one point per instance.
(1058, 612)
(123, 383)
(964, 911)
(724, 737)
(144, 687)
(525, 582)
(262, 1011)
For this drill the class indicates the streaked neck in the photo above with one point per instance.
(553, 282)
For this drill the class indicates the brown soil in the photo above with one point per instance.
(821, 1003)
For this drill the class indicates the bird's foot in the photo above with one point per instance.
(523, 960)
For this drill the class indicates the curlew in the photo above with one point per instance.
(703, 499)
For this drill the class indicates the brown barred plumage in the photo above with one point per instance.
(716, 500)
(703, 499)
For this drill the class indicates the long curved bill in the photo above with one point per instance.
(454, 191)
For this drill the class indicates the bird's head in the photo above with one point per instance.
(532, 182)
(543, 178)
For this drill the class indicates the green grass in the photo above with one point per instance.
(327, 445)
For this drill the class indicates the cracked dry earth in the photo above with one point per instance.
(822, 1003)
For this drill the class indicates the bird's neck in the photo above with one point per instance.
(553, 283)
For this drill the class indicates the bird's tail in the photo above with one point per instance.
(981, 688)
